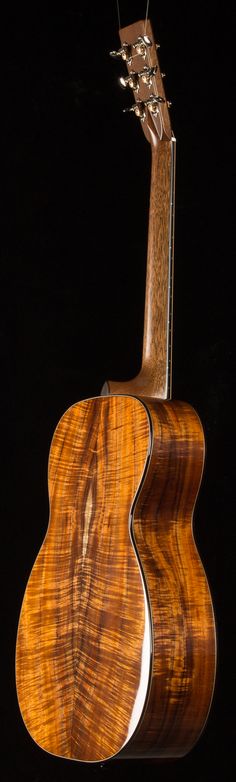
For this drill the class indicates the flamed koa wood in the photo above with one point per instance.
(184, 641)
(80, 639)
(116, 638)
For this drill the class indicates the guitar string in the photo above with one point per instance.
(118, 14)
(146, 17)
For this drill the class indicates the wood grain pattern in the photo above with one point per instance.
(154, 126)
(81, 676)
(109, 660)
(116, 645)
(153, 379)
(184, 638)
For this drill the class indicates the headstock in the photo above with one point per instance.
(139, 51)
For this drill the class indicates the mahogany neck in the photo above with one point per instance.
(154, 378)
(157, 341)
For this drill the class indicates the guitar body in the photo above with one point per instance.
(116, 640)
(116, 647)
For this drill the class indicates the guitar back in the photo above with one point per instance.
(84, 642)
(116, 640)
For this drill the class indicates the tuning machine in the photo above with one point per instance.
(142, 44)
(147, 74)
(125, 52)
(134, 77)
(139, 108)
(132, 81)
(140, 47)
(153, 103)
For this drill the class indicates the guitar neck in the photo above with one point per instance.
(145, 79)
(154, 379)
(157, 341)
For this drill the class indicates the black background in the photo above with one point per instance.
(75, 186)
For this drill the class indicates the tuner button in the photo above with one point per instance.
(138, 109)
(125, 52)
(123, 80)
(146, 40)
(132, 81)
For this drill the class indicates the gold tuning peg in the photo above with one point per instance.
(142, 44)
(138, 108)
(152, 104)
(125, 52)
(147, 74)
(132, 80)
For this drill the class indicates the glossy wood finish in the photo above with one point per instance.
(184, 639)
(81, 676)
(107, 658)
(154, 379)
(155, 126)
(116, 643)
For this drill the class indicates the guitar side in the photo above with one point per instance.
(184, 634)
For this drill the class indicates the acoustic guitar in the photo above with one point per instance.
(116, 645)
